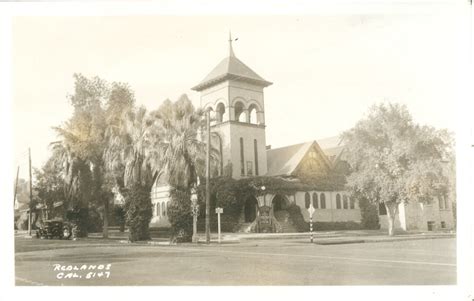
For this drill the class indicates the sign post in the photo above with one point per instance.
(311, 211)
(219, 211)
(195, 210)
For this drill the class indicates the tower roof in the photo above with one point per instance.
(231, 68)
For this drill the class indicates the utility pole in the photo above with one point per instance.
(31, 194)
(208, 167)
(16, 186)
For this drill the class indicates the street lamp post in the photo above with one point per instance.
(195, 211)
(208, 172)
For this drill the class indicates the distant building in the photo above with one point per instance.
(235, 93)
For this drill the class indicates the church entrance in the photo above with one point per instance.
(279, 205)
(250, 209)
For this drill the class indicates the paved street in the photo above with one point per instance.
(254, 262)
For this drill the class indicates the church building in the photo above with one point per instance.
(236, 94)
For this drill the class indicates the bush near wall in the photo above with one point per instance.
(302, 226)
(138, 212)
(228, 194)
(180, 215)
(231, 194)
(369, 214)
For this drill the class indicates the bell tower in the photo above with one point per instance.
(235, 93)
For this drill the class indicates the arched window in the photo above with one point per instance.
(240, 112)
(323, 201)
(253, 114)
(220, 112)
(158, 211)
(345, 202)
(338, 201)
(315, 200)
(163, 209)
(382, 209)
(307, 200)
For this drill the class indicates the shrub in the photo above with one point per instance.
(180, 215)
(94, 222)
(138, 212)
(369, 214)
(334, 226)
(303, 226)
(297, 218)
(79, 218)
(119, 217)
(228, 194)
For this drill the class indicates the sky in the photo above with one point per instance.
(326, 70)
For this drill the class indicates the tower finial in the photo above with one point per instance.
(231, 51)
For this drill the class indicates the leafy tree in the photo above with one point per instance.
(49, 187)
(82, 144)
(394, 160)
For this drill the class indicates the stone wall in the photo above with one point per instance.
(330, 213)
(416, 216)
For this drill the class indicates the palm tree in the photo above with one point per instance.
(177, 150)
(127, 146)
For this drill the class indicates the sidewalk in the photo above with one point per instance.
(331, 237)
(320, 238)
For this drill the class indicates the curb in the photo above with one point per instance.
(379, 240)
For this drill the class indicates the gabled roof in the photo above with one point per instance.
(284, 161)
(231, 68)
(332, 147)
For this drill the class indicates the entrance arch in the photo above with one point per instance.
(279, 202)
(250, 209)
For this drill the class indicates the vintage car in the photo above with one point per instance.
(54, 229)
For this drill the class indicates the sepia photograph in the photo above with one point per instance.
(236, 150)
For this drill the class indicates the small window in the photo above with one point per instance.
(443, 225)
(446, 202)
(163, 209)
(307, 200)
(323, 201)
(249, 168)
(441, 202)
(338, 201)
(315, 200)
(382, 209)
(255, 153)
(345, 202)
(431, 225)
